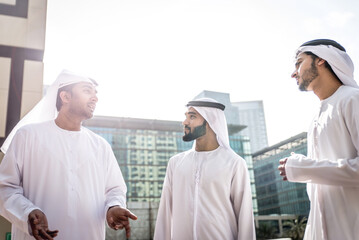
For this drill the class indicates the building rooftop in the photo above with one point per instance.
(145, 124)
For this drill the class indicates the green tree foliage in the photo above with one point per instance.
(296, 228)
(266, 231)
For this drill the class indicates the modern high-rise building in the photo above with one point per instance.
(251, 114)
(143, 147)
(232, 114)
(275, 196)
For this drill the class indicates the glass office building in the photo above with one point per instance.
(143, 147)
(251, 114)
(275, 196)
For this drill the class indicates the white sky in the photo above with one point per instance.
(151, 57)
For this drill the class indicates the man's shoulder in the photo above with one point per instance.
(349, 91)
(94, 136)
(35, 127)
(181, 155)
(231, 155)
(348, 94)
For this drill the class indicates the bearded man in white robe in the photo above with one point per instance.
(206, 192)
(59, 175)
(331, 169)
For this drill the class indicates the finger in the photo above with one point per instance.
(283, 161)
(35, 234)
(131, 215)
(120, 218)
(122, 223)
(38, 237)
(110, 221)
(52, 233)
(44, 234)
(34, 220)
(118, 226)
(128, 231)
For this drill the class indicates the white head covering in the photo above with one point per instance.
(216, 120)
(45, 109)
(338, 60)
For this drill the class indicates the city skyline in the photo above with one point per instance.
(151, 57)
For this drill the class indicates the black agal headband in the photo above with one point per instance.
(206, 104)
(316, 42)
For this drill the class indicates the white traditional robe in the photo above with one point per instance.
(332, 168)
(72, 176)
(206, 195)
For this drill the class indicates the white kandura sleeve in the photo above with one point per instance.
(343, 172)
(339, 172)
(163, 226)
(241, 196)
(115, 185)
(14, 206)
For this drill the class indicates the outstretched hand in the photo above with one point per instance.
(118, 218)
(39, 226)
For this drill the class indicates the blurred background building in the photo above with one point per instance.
(275, 196)
(142, 148)
(249, 114)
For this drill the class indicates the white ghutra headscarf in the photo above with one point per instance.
(45, 109)
(212, 112)
(336, 57)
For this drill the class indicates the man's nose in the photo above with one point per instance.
(94, 98)
(294, 74)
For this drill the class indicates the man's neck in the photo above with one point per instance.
(68, 122)
(326, 90)
(206, 144)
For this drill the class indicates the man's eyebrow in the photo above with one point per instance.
(193, 113)
(89, 87)
(297, 62)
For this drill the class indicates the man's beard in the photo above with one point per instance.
(308, 76)
(198, 131)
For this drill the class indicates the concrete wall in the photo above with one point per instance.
(22, 43)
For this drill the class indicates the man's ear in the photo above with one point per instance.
(321, 62)
(65, 97)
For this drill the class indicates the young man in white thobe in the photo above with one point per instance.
(331, 169)
(206, 192)
(58, 179)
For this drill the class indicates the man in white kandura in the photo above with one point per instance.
(331, 169)
(206, 192)
(57, 174)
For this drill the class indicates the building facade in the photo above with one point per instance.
(232, 114)
(143, 147)
(251, 114)
(22, 44)
(275, 196)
